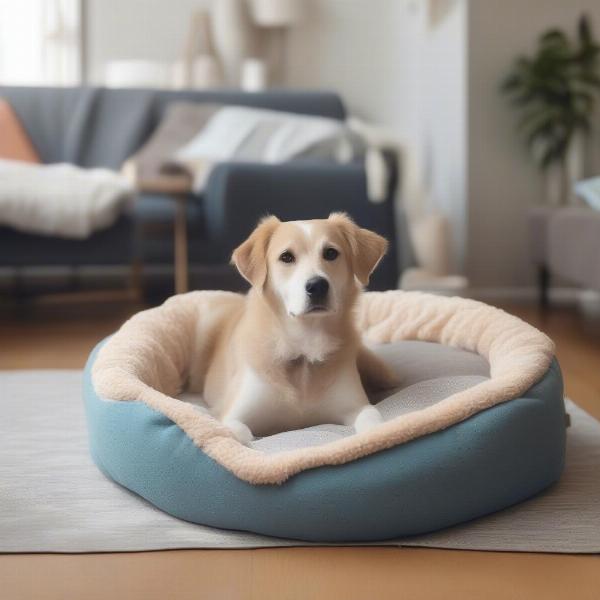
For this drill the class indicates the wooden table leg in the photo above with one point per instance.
(181, 246)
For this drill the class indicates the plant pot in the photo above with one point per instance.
(575, 166)
(555, 185)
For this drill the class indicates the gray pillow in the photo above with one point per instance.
(182, 121)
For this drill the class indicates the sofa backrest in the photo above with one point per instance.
(101, 127)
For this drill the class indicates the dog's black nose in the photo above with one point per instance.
(317, 288)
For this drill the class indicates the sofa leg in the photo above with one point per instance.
(544, 286)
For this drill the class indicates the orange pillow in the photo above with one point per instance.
(14, 141)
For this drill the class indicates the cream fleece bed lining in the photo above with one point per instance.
(428, 372)
(148, 360)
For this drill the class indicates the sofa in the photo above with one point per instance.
(99, 127)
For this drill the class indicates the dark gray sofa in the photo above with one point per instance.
(94, 127)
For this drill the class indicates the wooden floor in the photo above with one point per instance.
(577, 339)
(61, 336)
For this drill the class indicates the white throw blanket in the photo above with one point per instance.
(241, 134)
(61, 199)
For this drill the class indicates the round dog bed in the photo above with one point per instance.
(477, 425)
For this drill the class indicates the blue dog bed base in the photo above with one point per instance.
(497, 457)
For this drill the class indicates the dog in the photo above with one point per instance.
(288, 354)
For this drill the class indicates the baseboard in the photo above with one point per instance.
(560, 295)
(527, 294)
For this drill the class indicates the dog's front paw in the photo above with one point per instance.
(367, 418)
(240, 430)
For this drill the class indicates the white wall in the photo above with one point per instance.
(502, 181)
(400, 64)
(135, 29)
(443, 100)
(363, 50)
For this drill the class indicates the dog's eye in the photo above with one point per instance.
(287, 257)
(330, 254)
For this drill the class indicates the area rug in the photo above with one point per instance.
(54, 499)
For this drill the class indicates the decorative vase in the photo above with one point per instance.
(560, 177)
(199, 66)
(203, 73)
(554, 184)
(254, 75)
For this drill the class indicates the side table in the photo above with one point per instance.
(178, 188)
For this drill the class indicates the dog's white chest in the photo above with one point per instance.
(267, 407)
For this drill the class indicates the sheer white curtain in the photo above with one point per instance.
(40, 42)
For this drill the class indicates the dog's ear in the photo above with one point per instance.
(367, 248)
(250, 258)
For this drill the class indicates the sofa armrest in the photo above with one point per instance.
(239, 194)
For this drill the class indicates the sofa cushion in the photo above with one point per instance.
(112, 246)
(48, 115)
(118, 123)
(14, 141)
(89, 127)
(156, 208)
(99, 127)
(316, 103)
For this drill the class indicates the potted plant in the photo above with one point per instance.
(555, 92)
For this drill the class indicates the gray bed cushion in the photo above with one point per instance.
(429, 373)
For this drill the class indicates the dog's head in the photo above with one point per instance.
(310, 268)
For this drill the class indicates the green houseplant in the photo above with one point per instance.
(555, 92)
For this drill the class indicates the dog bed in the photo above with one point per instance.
(477, 425)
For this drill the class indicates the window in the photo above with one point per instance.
(40, 42)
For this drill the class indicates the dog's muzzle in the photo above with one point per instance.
(317, 289)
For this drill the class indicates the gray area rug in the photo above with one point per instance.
(53, 499)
